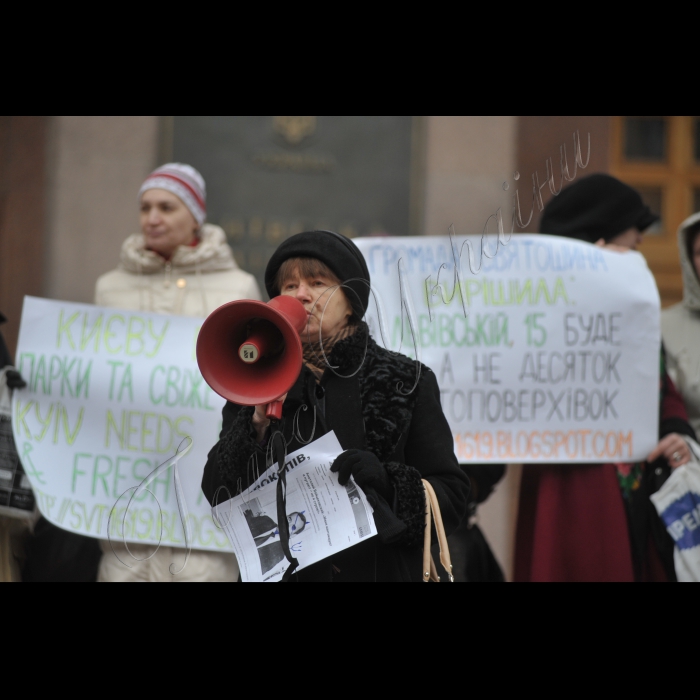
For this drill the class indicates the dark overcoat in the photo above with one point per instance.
(391, 407)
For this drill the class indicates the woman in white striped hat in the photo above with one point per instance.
(177, 264)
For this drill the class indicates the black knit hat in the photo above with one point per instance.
(595, 207)
(341, 255)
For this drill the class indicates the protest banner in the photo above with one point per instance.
(545, 349)
(112, 395)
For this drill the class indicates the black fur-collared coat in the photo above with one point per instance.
(373, 410)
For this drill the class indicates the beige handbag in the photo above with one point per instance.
(429, 569)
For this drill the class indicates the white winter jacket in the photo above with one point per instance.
(194, 282)
(680, 327)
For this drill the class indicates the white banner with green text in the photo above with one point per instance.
(546, 349)
(112, 396)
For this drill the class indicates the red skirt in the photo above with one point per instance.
(572, 526)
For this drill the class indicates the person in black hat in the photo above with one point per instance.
(392, 436)
(598, 209)
(595, 522)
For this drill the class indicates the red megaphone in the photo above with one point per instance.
(250, 352)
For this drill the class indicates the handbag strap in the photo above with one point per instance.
(428, 563)
(432, 513)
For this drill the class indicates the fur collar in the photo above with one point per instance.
(213, 254)
(385, 380)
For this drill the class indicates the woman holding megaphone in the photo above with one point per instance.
(392, 437)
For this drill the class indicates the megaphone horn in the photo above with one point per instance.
(250, 352)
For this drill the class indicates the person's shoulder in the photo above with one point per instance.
(384, 354)
(675, 310)
(114, 279)
(246, 276)
(391, 355)
(234, 284)
(680, 329)
(398, 363)
(218, 255)
(116, 288)
(675, 317)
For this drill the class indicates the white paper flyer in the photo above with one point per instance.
(324, 517)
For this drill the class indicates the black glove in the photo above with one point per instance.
(367, 470)
(14, 379)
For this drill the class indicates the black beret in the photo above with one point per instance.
(341, 255)
(595, 207)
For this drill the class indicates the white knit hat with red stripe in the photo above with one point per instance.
(185, 182)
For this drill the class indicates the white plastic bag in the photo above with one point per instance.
(678, 505)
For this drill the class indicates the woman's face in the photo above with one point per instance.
(696, 255)
(166, 222)
(321, 297)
